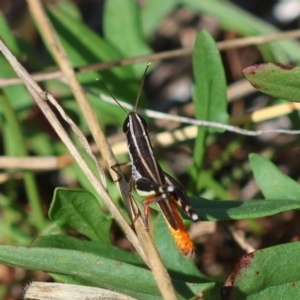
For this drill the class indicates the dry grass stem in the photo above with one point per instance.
(46, 163)
(258, 40)
(80, 137)
(223, 45)
(239, 237)
(160, 274)
(267, 113)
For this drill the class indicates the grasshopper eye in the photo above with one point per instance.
(126, 125)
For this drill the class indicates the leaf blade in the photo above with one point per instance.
(120, 14)
(266, 274)
(272, 182)
(209, 93)
(275, 79)
(89, 268)
(80, 210)
(213, 210)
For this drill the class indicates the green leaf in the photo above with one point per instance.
(212, 210)
(184, 290)
(71, 9)
(121, 14)
(15, 145)
(88, 268)
(275, 79)
(210, 90)
(180, 267)
(81, 211)
(17, 94)
(12, 233)
(271, 273)
(81, 267)
(71, 243)
(216, 188)
(273, 183)
(121, 81)
(71, 32)
(209, 93)
(234, 18)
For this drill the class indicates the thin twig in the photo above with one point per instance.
(223, 45)
(239, 237)
(282, 110)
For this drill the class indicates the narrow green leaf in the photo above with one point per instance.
(235, 18)
(81, 267)
(231, 15)
(15, 145)
(207, 180)
(18, 95)
(80, 210)
(12, 233)
(91, 269)
(100, 249)
(111, 252)
(271, 273)
(184, 290)
(83, 46)
(209, 93)
(275, 79)
(272, 182)
(212, 210)
(71, 32)
(210, 90)
(71, 9)
(121, 14)
(180, 267)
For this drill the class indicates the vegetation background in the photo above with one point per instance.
(132, 32)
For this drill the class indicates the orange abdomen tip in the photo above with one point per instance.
(181, 236)
(183, 242)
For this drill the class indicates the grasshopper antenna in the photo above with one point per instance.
(106, 88)
(141, 87)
